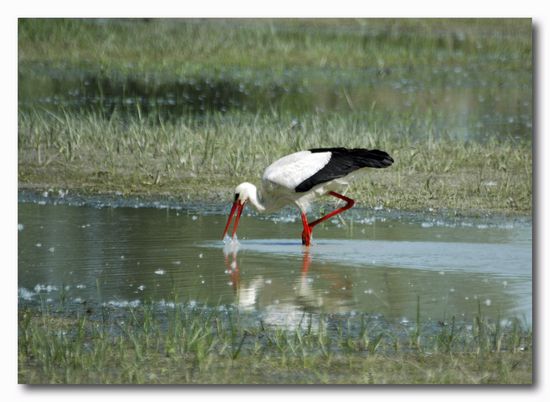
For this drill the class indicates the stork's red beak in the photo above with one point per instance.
(236, 206)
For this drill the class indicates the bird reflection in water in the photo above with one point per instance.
(230, 252)
(314, 289)
(231, 249)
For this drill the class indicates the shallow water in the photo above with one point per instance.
(378, 263)
(461, 102)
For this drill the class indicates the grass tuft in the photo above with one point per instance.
(205, 159)
(204, 345)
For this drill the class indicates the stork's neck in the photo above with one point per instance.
(255, 198)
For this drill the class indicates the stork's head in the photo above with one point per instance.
(243, 192)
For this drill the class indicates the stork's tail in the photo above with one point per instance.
(374, 158)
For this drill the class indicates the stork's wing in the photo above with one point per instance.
(293, 169)
(343, 162)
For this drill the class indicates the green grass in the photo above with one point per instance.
(194, 160)
(186, 344)
(189, 46)
(320, 55)
(279, 72)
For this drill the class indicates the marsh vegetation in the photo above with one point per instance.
(184, 109)
(188, 107)
(193, 344)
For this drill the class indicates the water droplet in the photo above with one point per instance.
(504, 323)
(26, 294)
(44, 288)
(160, 271)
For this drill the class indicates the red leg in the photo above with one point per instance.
(308, 227)
(306, 234)
(349, 204)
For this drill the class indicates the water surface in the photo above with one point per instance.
(375, 262)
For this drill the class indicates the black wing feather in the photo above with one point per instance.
(342, 162)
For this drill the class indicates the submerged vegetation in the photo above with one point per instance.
(193, 344)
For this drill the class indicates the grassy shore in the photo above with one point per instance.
(192, 344)
(204, 160)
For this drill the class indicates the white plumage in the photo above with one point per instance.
(291, 170)
(282, 177)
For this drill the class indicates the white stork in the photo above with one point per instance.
(300, 177)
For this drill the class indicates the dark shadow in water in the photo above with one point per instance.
(166, 97)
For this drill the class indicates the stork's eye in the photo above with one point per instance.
(236, 197)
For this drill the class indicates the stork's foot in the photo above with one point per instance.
(306, 237)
